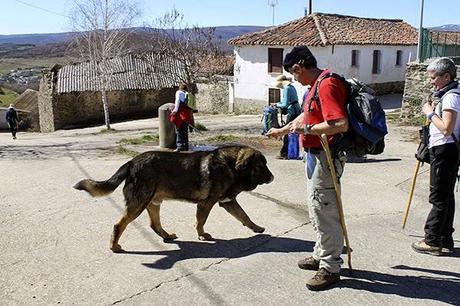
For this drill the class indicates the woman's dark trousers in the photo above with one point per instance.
(443, 174)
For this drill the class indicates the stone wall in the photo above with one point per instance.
(45, 105)
(85, 108)
(78, 109)
(388, 87)
(417, 90)
(213, 94)
(249, 106)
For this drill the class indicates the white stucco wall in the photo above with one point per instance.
(252, 79)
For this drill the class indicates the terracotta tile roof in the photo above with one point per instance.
(320, 29)
(146, 71)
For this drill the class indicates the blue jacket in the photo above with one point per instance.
(290, 101)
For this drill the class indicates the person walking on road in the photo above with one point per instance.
(444, 158)
(326, 116)
(289, 105)
(12, 120)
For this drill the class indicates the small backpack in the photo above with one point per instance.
(269, 119)
(366, 119)
(190, 101)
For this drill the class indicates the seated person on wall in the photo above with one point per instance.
(289, 105)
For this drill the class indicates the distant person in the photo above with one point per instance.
(182, 117)
(444, 158)
(289, 105)
(12, 120)
(325, 114)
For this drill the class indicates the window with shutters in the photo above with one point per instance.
(376, 62)
(354, 58)
(274, 95)
(399, 54)
(275, 60)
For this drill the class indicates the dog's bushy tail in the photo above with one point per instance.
(102, 188)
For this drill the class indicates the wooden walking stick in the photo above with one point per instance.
(330, 162)
(414, 179)
(411, 193)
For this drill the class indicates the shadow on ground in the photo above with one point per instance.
(226, 249)
(442, 286)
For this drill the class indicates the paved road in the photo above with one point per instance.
(54, 242)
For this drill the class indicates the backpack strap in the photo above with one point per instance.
(315, 96)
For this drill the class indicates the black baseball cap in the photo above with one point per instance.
(299, 55)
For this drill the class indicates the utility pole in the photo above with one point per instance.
(309, 10)
(420, 30)
(273, 3)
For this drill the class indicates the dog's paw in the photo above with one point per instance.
(258, 229)
(117, 248)
(170, 237)
(205, 237)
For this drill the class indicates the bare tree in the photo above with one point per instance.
(195, 48)
(103, 28)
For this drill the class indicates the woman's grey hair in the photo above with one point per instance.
(443, 65)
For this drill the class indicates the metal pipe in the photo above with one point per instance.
(420, 30)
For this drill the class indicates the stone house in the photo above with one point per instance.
(69, 96)
(373, 50)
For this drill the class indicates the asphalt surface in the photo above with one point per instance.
(54, 241)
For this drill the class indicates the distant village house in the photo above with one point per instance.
(69, 96)
(373, 50)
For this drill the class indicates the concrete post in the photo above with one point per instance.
(167, 132)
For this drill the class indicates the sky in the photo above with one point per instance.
(50, 16)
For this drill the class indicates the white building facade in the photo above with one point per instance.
(382, 66)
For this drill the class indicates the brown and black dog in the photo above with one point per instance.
(202, 177)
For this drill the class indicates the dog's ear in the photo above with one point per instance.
(243, 160)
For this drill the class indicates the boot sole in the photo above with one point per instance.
(434, 253)
(321, 287)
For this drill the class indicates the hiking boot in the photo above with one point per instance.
(308, 263)
(423, 248)
(447, 250)
(322, 279)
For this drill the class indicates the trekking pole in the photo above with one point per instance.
(411, 193)
(330, 162)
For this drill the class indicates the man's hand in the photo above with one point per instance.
(274, 133)
(296, 126)
(427, 108)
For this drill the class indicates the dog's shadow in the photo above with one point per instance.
(217, 248)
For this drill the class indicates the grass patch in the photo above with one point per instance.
(106, 130)
(140, 140)
(393, 117)
(200, 127)
(223, 138)
(124, 151)
(7, 96)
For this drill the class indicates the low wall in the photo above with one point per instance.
(388, 87)
(213, 94)
(417, 90)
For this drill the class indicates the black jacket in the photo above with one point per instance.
(12, 116)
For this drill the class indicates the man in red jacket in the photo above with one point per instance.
(325, 115)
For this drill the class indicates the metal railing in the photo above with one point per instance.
(439, 44)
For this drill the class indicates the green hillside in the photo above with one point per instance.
(7, 96)
(8, 64)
